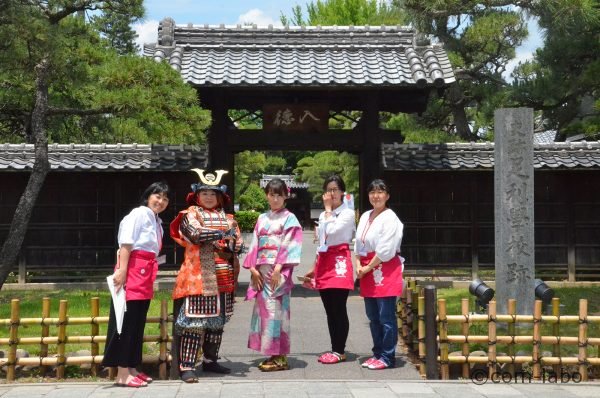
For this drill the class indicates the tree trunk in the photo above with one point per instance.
(41, 167)
(457, 104)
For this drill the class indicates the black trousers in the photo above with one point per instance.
(334, 301)
(125, 349)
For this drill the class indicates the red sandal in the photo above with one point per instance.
(135, 383)
(144, 377)
(332, 357)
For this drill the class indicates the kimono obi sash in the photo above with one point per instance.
(141, 274)
(385, 280)
(334, 269)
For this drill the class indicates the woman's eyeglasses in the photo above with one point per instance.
(333, 190)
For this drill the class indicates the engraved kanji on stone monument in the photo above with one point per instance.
(513, 206)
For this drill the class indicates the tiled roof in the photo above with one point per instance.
(452, 156)
(289, 179)
(106, 157)
(545, 137)
(300, 56)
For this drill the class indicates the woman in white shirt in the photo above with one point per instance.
(333, 271)
(379, 268)
(140, 240)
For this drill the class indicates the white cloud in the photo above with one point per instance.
(147, 32)
(521, 56)
(258, 17)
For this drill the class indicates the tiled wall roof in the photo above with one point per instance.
(106, 157)
(454, 156)
(137, 157)
(300, 56)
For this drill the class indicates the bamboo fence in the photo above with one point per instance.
(413, 334)
(60, 360)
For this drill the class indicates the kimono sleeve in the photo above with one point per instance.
(290, 248)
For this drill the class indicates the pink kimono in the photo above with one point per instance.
(277, 240)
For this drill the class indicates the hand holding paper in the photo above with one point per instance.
(118, 301)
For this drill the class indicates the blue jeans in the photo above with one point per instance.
(381, 312)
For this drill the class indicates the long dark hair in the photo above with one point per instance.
(155, 187)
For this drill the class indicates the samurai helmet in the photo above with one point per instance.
(209, 181)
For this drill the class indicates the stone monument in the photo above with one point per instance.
(513, 208)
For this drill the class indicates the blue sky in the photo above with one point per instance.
(260, 12)
(214, 12)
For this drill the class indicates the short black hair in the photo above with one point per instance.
(155, 187)
(337, 179)
(378, 184)
(278, 186)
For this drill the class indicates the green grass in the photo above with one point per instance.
(569, 300)
(79, 305)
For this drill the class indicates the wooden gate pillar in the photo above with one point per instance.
(370, 157)
(220, 156)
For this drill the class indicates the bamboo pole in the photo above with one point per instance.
(14, 335)
(492, 338)
(537, 335)
(522, 359)
(403, 313)
(583, 341)
(62, 333)
(512, 311)
(556, 332)
(464, 307)
(95, 331)
(149, 338)
(407, 328)
(444, 368)
(154, 359)
(421, 334)
(415, 324)
(82, 360)
(77, 321)
(45, 332)
(456, 319)
(566, 340)
(479, 318)
(162, 357)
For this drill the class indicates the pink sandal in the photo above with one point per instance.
(378, 364)
(144, 377)
(368, 362)
(332, 357)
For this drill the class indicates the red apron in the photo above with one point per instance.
(141, 274)
(385, 280)
(334, 268)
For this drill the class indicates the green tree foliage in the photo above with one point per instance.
(346, 12)
(563, 79)
(60, 80)
(254, 198)
(94, 95)
(314, 169)
(480, 37)
(117, 28)
(250, 166)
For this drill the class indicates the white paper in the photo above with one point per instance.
(118, 299)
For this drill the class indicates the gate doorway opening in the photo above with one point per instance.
(303, 172)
